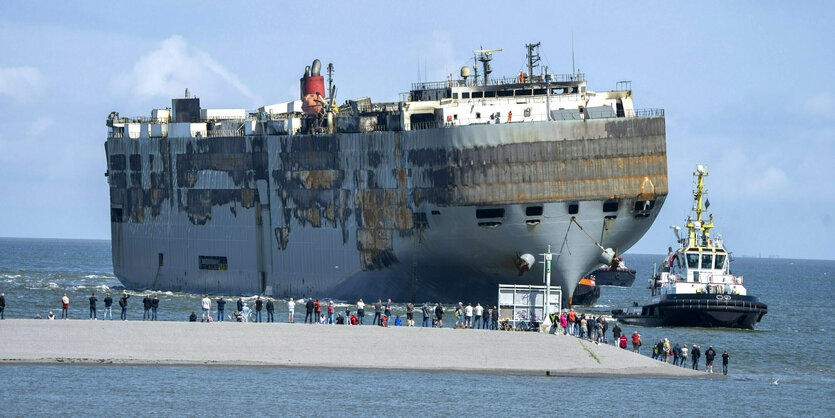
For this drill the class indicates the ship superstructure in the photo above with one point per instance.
(429, 198)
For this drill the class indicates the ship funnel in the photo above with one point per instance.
(315, 68)
(606, 256)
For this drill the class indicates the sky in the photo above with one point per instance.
(747, 88)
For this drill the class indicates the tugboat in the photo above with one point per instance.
(694, 286)
(586, 293)
(620, 276)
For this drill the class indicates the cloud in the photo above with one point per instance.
(174, 66)
(20, 82)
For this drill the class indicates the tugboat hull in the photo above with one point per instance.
(701, 310)
(619, 277)
(585, 294)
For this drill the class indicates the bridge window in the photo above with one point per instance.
(489, 94)
(720, 261)
(707, 261)
(692, 260)
(478, 94)
(465, 95)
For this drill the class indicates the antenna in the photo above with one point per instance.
(330, 78)
(573, 67)
(533, 58)
(485, 56)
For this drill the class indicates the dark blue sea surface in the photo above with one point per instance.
(783, 367)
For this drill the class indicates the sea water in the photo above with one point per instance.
(783, 367)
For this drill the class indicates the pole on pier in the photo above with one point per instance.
(547, 271)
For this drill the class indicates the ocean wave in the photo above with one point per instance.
(10, 276)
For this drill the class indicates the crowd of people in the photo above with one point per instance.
(594, 329)
(467, 316)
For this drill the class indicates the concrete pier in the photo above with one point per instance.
(299, 345)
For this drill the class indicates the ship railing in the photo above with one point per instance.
(473, 82)
(534, 117)
(225, 132)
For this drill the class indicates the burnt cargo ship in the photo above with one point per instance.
(430, 198)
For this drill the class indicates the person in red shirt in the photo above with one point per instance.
(623, 342)
(317, 308)
(330, 312)
(636, 341)
(354, 320)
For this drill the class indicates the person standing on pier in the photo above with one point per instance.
(65, 307)
(616, 331)
(330, 313)
(291, 307)
(478, 312)
(146, 305)
(378, 308)
(308, 314)
(154, 306)
(710, 354)
(388, 308)
(696, 354)
(240, 305)
(259, 304)
(572, 322)
(317, 310)
(439, 314)
(427, 314)
(410, 314)
(725, 358)
(270, 310)
(360, 311)
(485, 323)
(636, 342)
(2, 306)
(108, 302)
(683, 355)
(494, 318)
(206, 304)
(93, 300)
(123, 303)
(676, 354)
(221, 306)
(468, 316)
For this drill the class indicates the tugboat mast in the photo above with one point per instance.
(704, 228)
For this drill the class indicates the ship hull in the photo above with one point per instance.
(696, 310)
(618, 278)
(381, 214)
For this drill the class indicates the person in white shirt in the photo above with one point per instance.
(479, 311)
(245, 311)
(291, 306)
(468, 316)
(206, 304)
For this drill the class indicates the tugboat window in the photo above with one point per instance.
(707, 261)
(720, 261)
(692, 260)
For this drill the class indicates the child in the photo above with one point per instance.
(397, 321)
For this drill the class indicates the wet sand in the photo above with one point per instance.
(299, 345)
